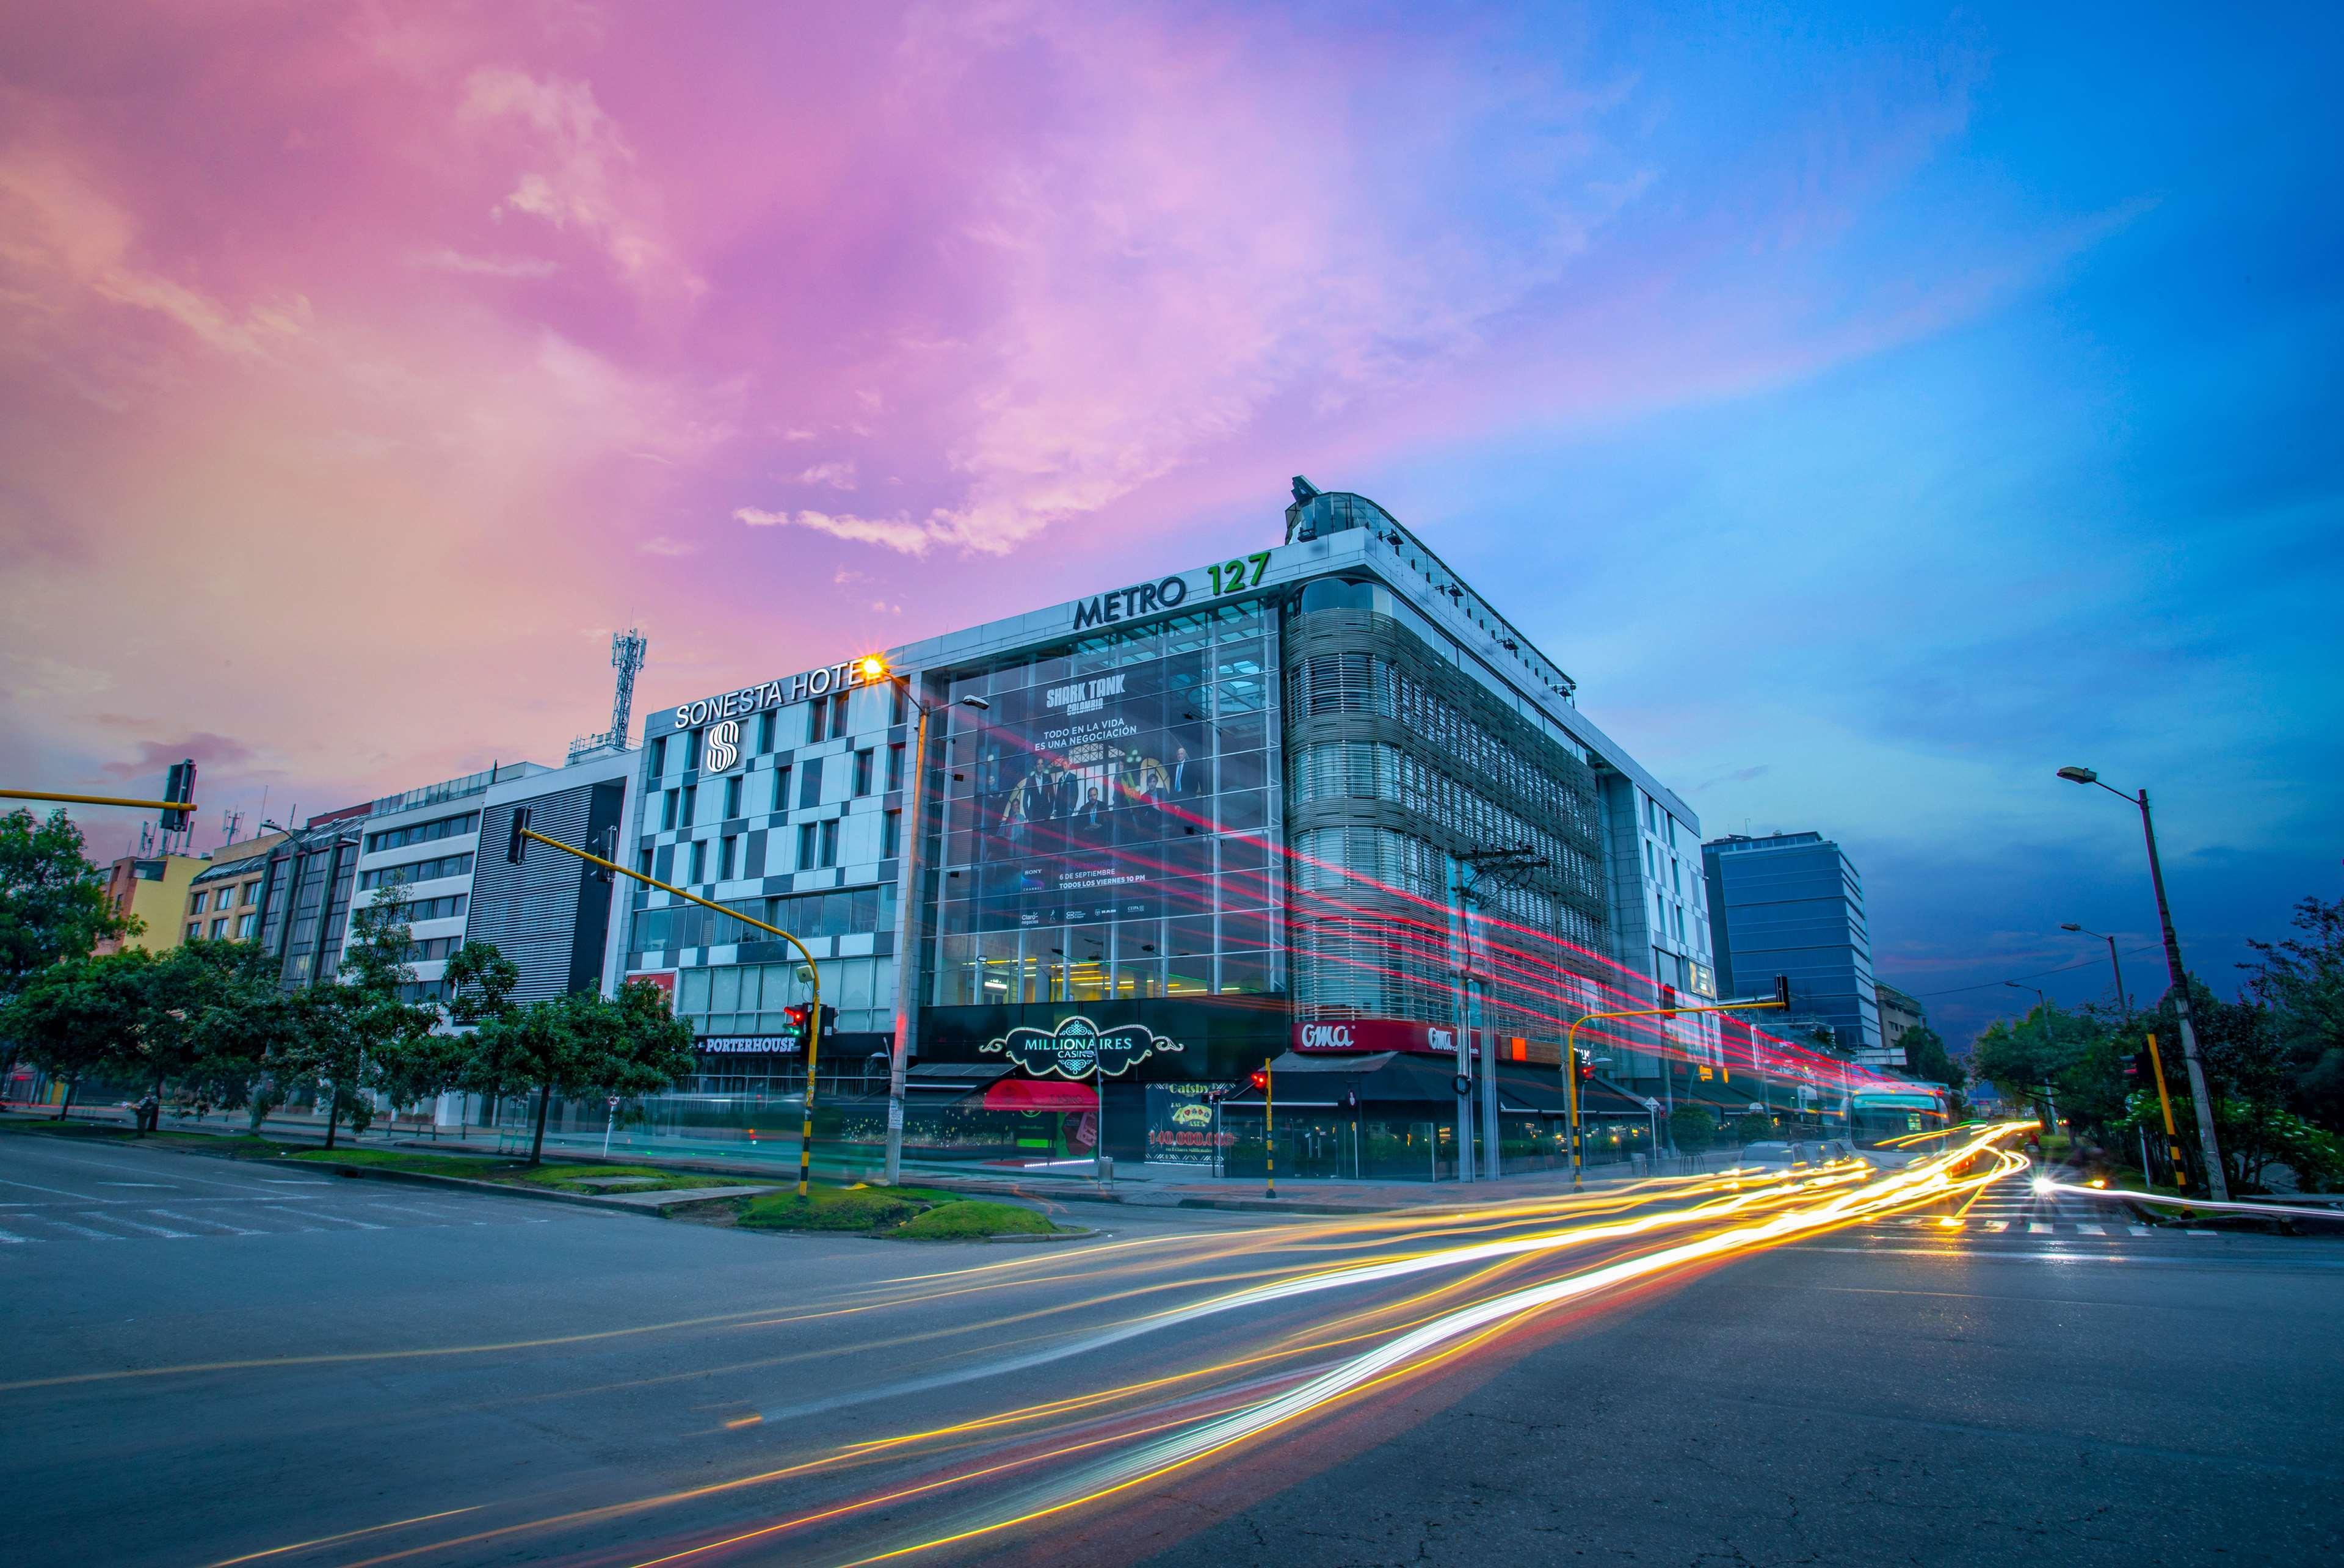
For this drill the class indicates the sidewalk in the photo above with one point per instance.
(1147, 1186)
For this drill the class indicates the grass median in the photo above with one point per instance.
(908, 1213)
(587, 1179)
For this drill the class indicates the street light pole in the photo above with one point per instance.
(873, 668)
(2178, 977)
(2122, 1007)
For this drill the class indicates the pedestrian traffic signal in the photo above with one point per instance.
(1261, 1079)
(2137, 1068)
(1586, 1064)
(517, 845)
(180, 788)
(1782, 990)
(794, 1022)
(1668, 1001)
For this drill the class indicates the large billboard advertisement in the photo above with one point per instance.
(1115, 802)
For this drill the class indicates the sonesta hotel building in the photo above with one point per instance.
(1171, 830)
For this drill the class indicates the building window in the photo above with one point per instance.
(891, 833)
(252, 891)
(901, 708)
(659, 756)
(194, 929)
(829, 842)
(688, 811)
(247, 927)
(196, 904)
(806, 846)
(765, 731)
(692, 751)
(817, 719)
(895, 767)
(838, 715)
(643, 861)
(732, 798)
(863, 771)
(667, 810)
(423, 832)
(731, 856)
(781, 787)
(219, 928)
(699, 861)
(809, 793)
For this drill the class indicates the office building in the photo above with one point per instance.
(1171, 830)
(551, 915)
(1791, 904)
(152, 890)
(1898, 1012)
(224, 898)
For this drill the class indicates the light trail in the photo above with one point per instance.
(2168, 1202)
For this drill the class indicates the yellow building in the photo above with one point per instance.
(153, 890)
(223, 903)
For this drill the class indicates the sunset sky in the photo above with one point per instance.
(1873, 408)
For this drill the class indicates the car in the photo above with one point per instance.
(1788, 1155)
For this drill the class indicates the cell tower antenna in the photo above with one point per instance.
(627, 651)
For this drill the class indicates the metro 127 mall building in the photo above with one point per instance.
(1319, 802)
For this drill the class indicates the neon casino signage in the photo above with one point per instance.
(1078, 1049)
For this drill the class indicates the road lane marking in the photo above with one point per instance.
(82, 1230)
(136, 1225)
(340, 1219)
(198, 1220)
(2089, 1230)
(1998, 1225)
(160, 1186)
(37, 1186)
(2036, 1228)
(2138, 1229)
(2199, 1233)
(8, 1240)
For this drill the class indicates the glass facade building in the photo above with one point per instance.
(1164, 832)
(1791, 904)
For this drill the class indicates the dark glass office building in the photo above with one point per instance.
(1791, 904)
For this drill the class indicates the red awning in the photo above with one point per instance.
(1037, 1094)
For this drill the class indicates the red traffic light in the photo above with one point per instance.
(796, 1017)
(1261, 1079)
(1586, 1066)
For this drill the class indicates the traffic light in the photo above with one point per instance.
(794, 1022)
(2137, 1069)
(1782, 990)
(829, 1023)
(1261, 1081)
(179, 788)
(1668, 1001)
(1586, 1064)
(518, 844)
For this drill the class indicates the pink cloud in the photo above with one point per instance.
(346, 366)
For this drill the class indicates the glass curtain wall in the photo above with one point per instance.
(1108, 821)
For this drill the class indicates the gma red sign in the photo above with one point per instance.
(1375, 1034)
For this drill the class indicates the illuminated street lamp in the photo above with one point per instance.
(2180, 979)
(874, 669)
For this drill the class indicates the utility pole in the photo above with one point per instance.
(1472, 1025)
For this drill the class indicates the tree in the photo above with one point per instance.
(584, 1044)
(53, 905)
(481, 983)
(2301, 982)
(68, 1019)
(1692, 1128)
(202, 1016)
(362, 1033)
(1926, 1058)
(1752, 1126)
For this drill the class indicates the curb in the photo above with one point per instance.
(421, 1179)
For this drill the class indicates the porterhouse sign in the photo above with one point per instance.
(1077, 1049)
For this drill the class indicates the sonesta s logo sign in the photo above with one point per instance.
(724, 747)
(822, 682)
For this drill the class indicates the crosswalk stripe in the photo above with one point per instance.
(2036, 1228)
(338, 1219)
(2138, 1229)
(1998, 1225)
(190, 1220)
(134, 1225)
(82, 1230)
(2091, 1230)
(2197, 1233)
(6, 1239)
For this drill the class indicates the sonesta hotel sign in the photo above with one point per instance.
(840, 677)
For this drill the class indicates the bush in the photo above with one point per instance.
(968, 1218)
(1692, 1128)
(1753, 1128)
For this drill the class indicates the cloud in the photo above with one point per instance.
(447, 260)
(584, 175)
(1738, 775)
(895, 534)
(660, 544)
(836, 475)
(208, 750)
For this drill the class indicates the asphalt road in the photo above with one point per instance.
(209, 1360)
